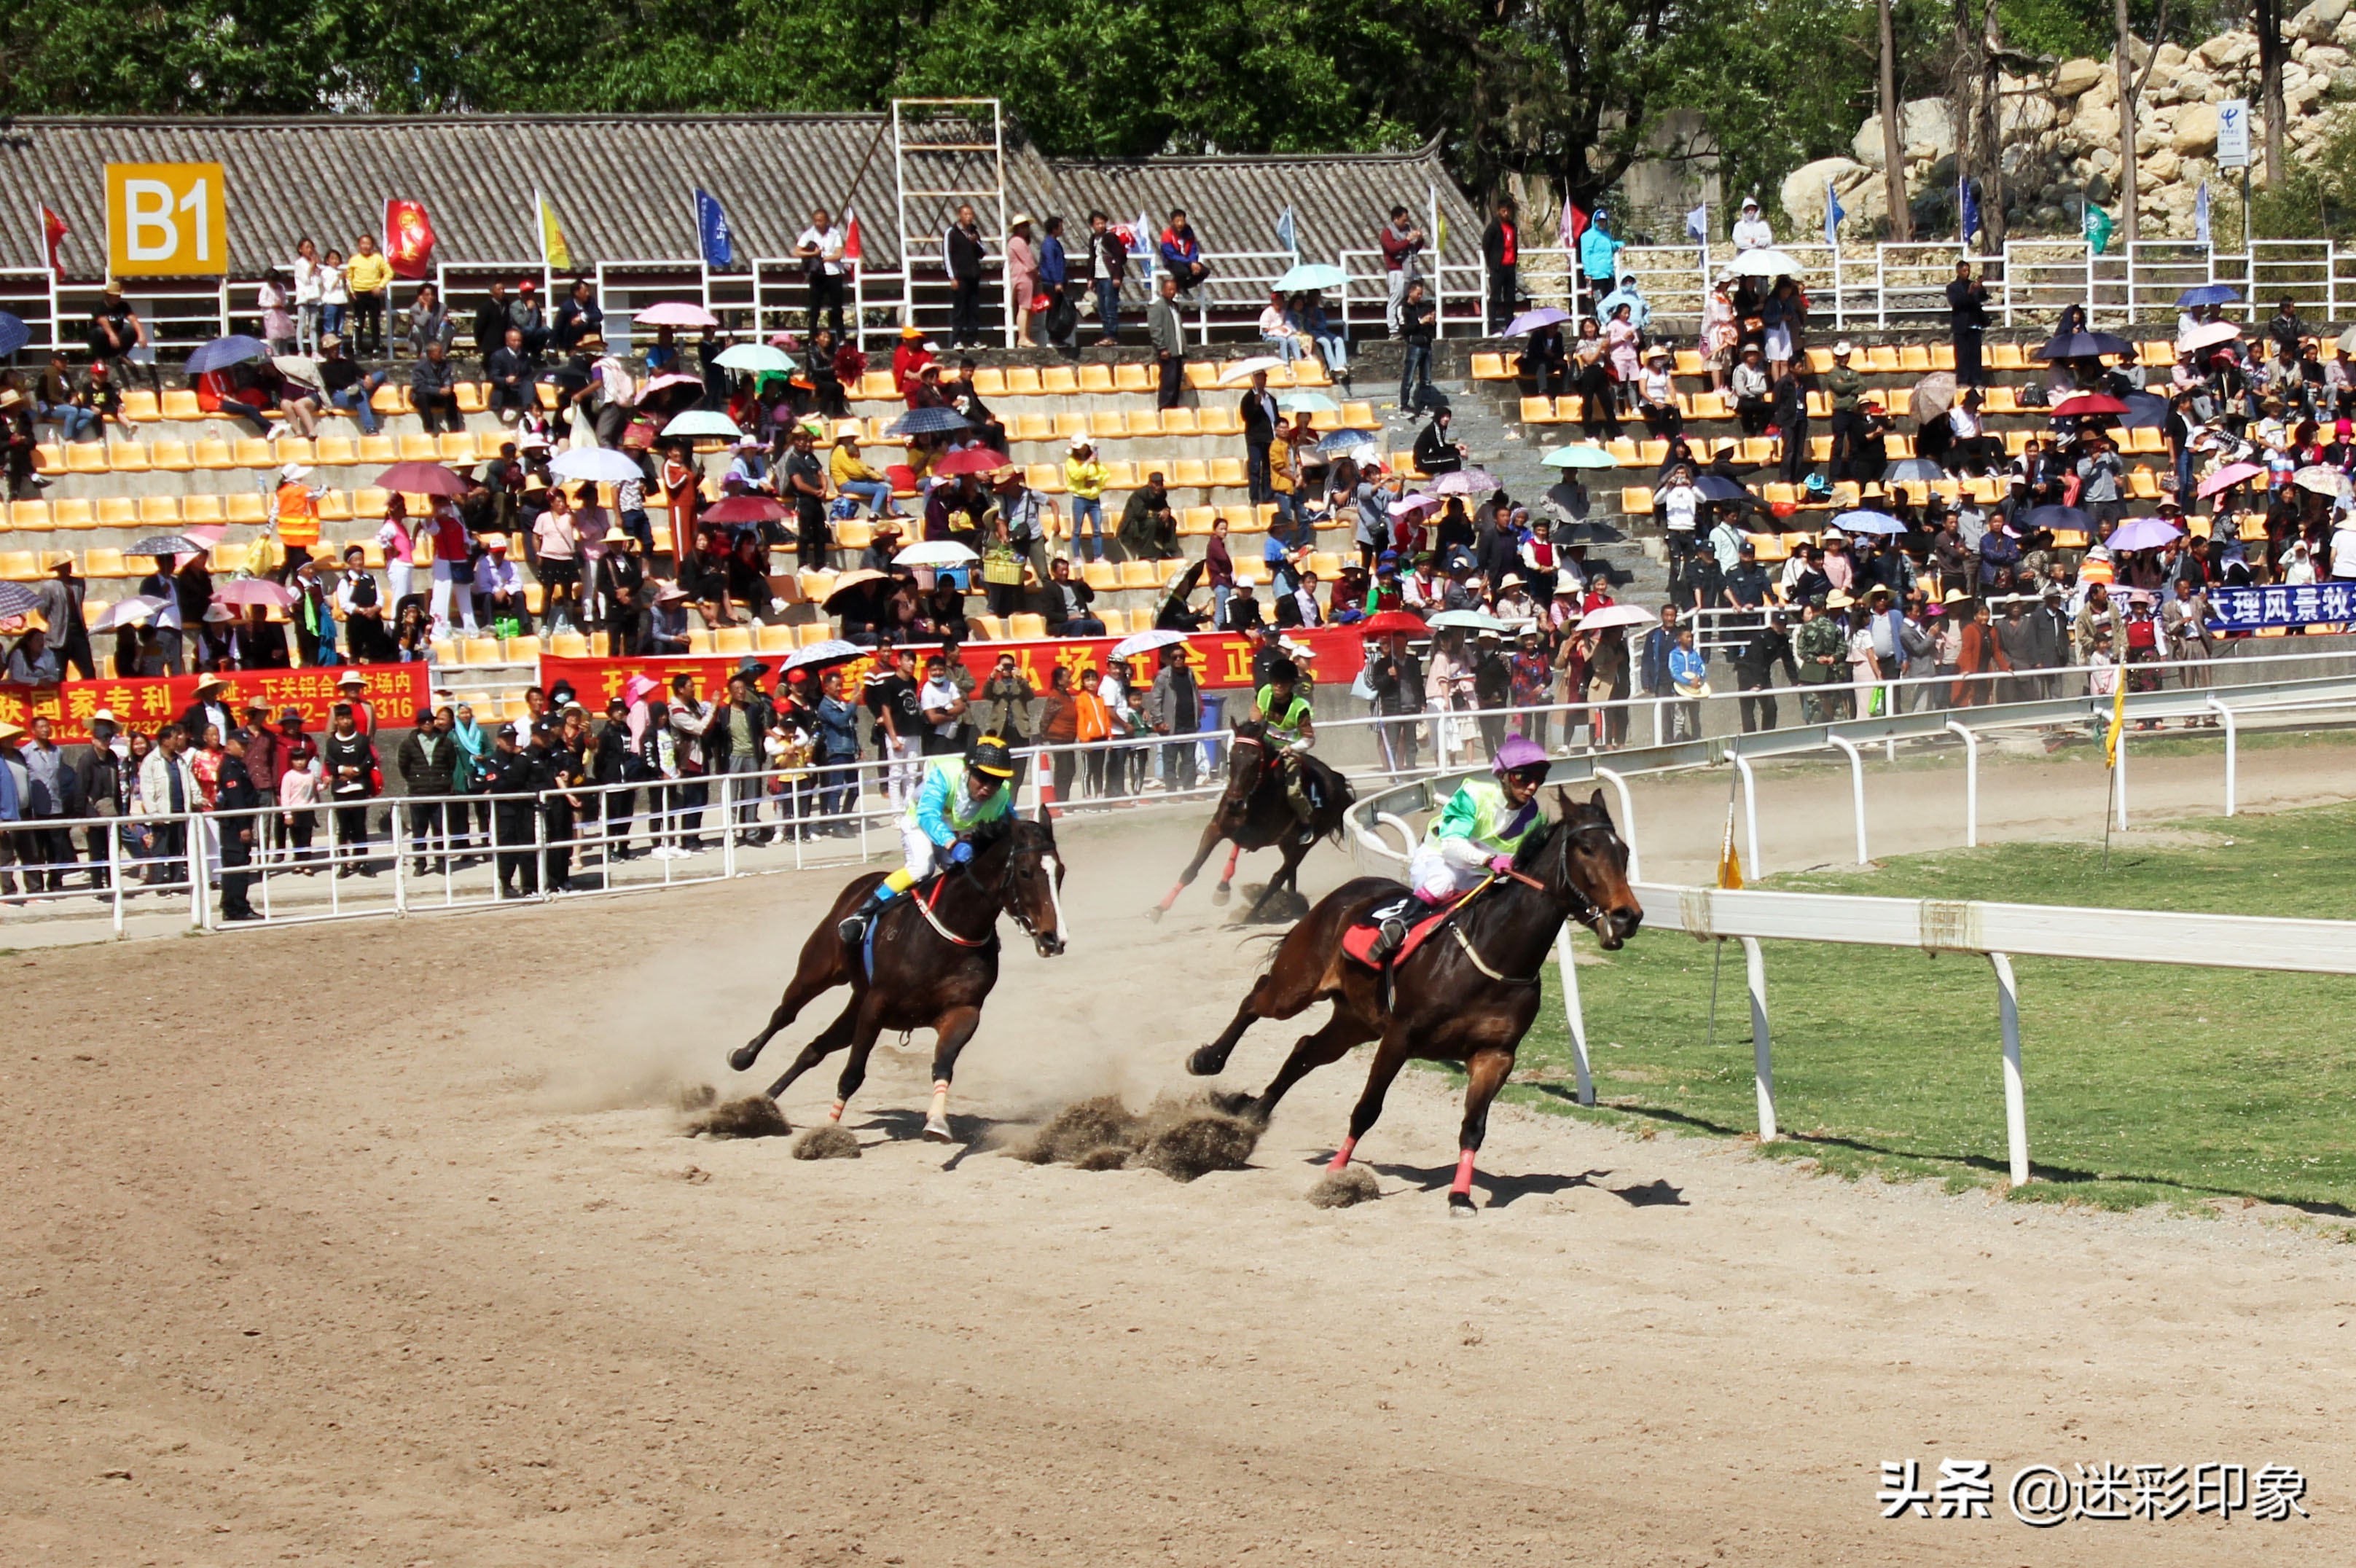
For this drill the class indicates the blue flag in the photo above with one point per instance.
(712, 233)
(1833, 213)
(1697, 224)
(1968, 205)
(2201, 215)
(1288, 236)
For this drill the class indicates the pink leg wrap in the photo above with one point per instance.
(1341, 1160)
(834, 1111)
(1463, 1174)
(1234, 855)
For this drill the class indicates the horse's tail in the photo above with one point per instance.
(1345, 796)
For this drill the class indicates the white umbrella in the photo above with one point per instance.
(1469, 620)
(1616, 616)
(1315, 402)
(834, 650)
(1244, 370)
(130, 612)
(2321, 478)
(298, 367)
(1145, 642)
(701, 421)
(2209, 334)
(936, 553)
(755, 358)
(675, 313)
(1766, 264)
(596, 464)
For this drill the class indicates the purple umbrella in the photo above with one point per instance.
(1464, 481)
(2143, 533)
(1532, 320)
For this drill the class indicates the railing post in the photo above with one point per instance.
(2119, 776)
(1762, 1065)
(192, 839)
(1627, 817)
(1971, 784)
(2226, 715)
(400, 872)
(2016, 1109)
(1749, 808)
(728, 825)
(1857, 789)
(1574, 1015)
(115, 870)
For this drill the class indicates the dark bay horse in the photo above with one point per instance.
(934, 966)
(1466, 995)
(1252, 813)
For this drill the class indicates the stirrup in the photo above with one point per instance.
(1389, 934)
(852, 928)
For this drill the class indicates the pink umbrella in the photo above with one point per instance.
(2088, 403)
(675, 313)
(421, 479)
(251, 590)
(673, 380)
(2225, 479)
(1464, 481)
(1416, 506)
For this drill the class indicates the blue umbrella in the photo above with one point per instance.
(1869, 523)
(16, 599)
(2145, 411)
(13, 334)
(223, 352)
(1710, 488)
(2207, 294)
(1345, 441)
(1311, 277)
(927, 422)
(2082, 346)
(1579, 456)
(2058, 517)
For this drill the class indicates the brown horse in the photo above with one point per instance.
(935, 955)
(1253, 813)
(1467, 994)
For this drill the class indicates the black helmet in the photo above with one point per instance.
(1282, 672)
(990, 756)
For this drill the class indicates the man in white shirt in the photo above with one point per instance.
(821, 249)
(1751, 230)
(2343, 548)
(944, 707)
(498, 587)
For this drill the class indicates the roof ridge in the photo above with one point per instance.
(334, 121)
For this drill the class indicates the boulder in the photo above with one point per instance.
(2345, 34)
(2228, 50)
(2074, 76)
(2343, 81)
(2318, 21)
(2171, 60)
(2162, 165)
(1804, 193)
(2194, 87)
(2196, 128)
(2322, 60)
(2027, 116)
(1925, 127)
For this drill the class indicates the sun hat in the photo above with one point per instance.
(207, 682)
(351, 678)
(1844, 348)
(293, 471)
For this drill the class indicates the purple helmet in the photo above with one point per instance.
(1518, 752)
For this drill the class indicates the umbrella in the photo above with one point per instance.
(1465, 482)
(2225, 479)
(2143, 533)
(1244, 370)
(1866, 522)
(2321, 478)
(675, 313)
(1578, 457)
(596, 464)
(1315, 402)
(848, 581)
(14, 334)
(703, 421)
(671, 379)
(733, 510)
(1131, 647)
(248, 591)
(2087, 403)
(2207, 294)
(2145, 411)
(2208, 335)
(1345, 441)
(16, 599)
(161, 545)
(129, 612)
(1416, 506)
(927, 422)
(298, 367)
(1710, 488)
(2081, 346)
(972, 460)
(1612, 615)
(2348, 341)
(421, 479)
(223, 352)
(1914, 471)
(1535, 320)
(2058, 517)
(1933, 395)
(1310, 277)
(1390, 623)
(754, 358)
(1466, 619)
(832, 651)
(936, 553)
(1766, 264)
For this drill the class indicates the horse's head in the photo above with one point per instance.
(1583, 865)
(1030, 887)
(1248, 758)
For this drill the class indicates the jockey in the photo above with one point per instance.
(1283, 716)
(957, 796)
(1474, 836)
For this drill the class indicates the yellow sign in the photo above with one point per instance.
(167, 220)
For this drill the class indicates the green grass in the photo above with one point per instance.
(2145, 1084)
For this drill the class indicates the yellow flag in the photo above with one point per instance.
(553, 248)
(1439, 236)
(1729, 863)
(2119, 720)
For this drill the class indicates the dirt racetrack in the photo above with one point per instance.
(377, 1245)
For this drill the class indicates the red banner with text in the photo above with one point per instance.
(1222, 660)
(395, 690)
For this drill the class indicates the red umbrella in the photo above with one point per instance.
(972, 460)
(2088, 403)
(421, 479)
(1390, 622)
(743, 509)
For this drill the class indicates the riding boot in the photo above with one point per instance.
(853, 926)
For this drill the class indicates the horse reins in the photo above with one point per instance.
(1582, 909)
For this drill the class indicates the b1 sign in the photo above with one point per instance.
(2233, 134)
(167, 220)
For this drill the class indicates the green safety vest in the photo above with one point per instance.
(1287, 728)
(1480, 812)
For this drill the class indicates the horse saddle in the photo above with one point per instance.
(1358, 942)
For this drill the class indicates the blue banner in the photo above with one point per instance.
(2305, 604)
(712, 233)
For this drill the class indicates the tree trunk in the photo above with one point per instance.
(2270, 90)
(1893, 138)
(1992, 128)
(2128, 193)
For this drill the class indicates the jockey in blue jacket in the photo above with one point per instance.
(957, 796)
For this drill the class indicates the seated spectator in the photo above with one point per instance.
(1148, 528)
(1276, 327)
(852, 477)
(1070, 597)
(499, 588)
(1182, 255)
(56, 400)
(350, 388)
(510, 371)
(433, 392)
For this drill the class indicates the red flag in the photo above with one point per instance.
(1574, 224)
(53, 235)
(407, 239)
(851, 255)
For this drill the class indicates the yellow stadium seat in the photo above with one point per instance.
(1022, 627)
(1636, 501)
(378, 451)
(1096, 378)
(478, 650)
(335, 452)
(336, 506)
(254, 452)
(773, 639)
(1030, 427)
(1023, 381)
(199, 511)
(419, 449)
(246, 507)
(1915, 358)
(1107, 427)
(1201, 375)
(29, 514)
(1491, 367)
(1179, 421)
(49, 458)
(474, 397)
(1189, 474)
(86, 457)
(1144, 421)
(229, 557)
(158, 511)
(458, 446)
(1227, 473)
(520, 650)
(213, 455)
(1228, 421)
(19, 566)
(1139, 574)
(987, 628)
(392, 398)
(1059, 381)
(1195, 522)
(369, 503)
(180, 403)
(1104, 576)
(103, 561)
(141, 408)
(63, 516)
(1689, 362)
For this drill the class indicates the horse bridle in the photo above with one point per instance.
(997, 904)
(1581, 907)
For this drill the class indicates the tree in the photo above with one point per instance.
(1893, 135)
(2131, 85)
(2267, 23)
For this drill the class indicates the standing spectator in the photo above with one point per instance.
(1501, 250)
(511, 776)
(963, 253)
(579, 318)
(103, 788)
(1689, 677)
(119, 337)
(368, 276)
(1005, 698)
(427, 763)
(308, 273)
(1059, 322)
(167, 791)
(1412, 321)
(944, 707)
(492, 319)
(1761, 649)
(1751, 230)
(1402, 244)
(1107, 265)
(350, 768)
(821, 249)
(1967, 324)
(1789, 413)
(1174, 707)
(1169, 337)
(1655, 676)
(2100, 474)
(1059, 727)
(805, 487)
(1258, 413)
(1599, 255)
(1023, 275)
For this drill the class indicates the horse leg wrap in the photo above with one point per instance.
(834, 1111)
(1341, 1160)
(1228, 875)
(1464, 1185)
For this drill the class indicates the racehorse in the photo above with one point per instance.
(1253, 814)
(929, 962)
(1466, 993)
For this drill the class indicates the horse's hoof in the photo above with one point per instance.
(1154, 914)
(1207, 1063)
(1460, 1206)
(744, 1056)
(1219, 894)
(937, 1130)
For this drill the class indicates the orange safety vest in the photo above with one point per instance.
(298, 516)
